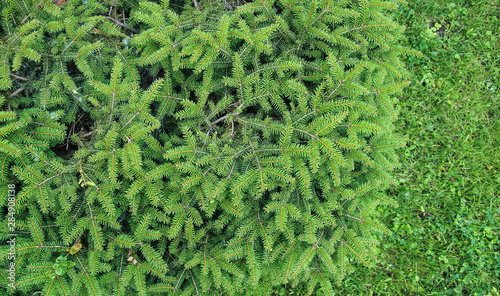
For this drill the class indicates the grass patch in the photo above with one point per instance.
(446, 229)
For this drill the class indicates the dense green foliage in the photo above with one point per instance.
(165, 149)
(446, 230)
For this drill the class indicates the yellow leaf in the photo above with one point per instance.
(75, 248)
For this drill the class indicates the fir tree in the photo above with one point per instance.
(159, 149)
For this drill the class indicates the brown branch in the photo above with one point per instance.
(19, 77)
(196, 5)
(122, 25)
(16, 92)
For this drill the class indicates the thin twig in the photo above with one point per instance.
(89, 133)
(194, 282)
(19, 77)
(122, 25)
(16, 92)
(196, 5)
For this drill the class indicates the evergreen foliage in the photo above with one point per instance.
(196, 149)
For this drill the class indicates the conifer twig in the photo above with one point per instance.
(194, 282)
(122, 25)
(16, 92)
(196, 5)
(19, 77)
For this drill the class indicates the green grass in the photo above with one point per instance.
(446, 230)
